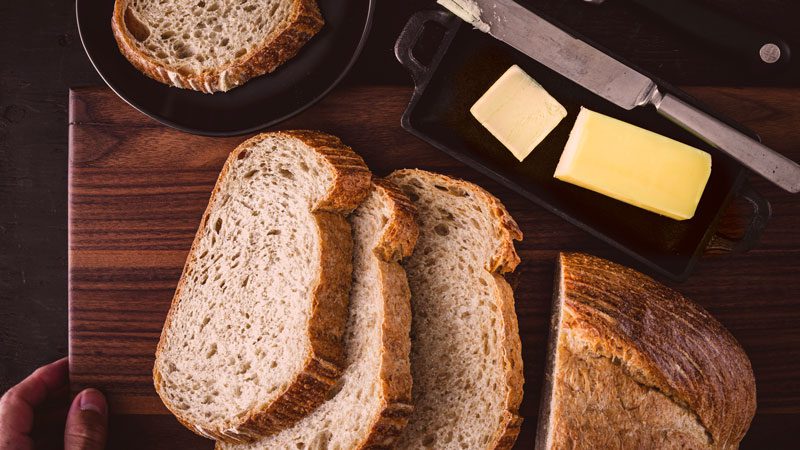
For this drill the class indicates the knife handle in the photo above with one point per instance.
(757, 157)
(763, 49)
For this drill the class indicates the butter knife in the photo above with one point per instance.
(612, 80)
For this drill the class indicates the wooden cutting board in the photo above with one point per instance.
(137, 190)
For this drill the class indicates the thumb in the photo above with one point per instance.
(87, 422)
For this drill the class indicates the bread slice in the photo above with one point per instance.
(373, 400)
(633, 364)
(466, 359)
(212, 45)
(253, 340)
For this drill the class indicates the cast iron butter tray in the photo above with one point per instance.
(463, 66)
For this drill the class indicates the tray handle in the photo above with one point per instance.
(410, 36)
(762, 211)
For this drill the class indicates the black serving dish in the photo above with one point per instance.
(465, 62)
(259, 103)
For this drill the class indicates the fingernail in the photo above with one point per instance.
(93, 400)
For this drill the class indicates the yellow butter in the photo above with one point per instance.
(518, 112)
(634, 165)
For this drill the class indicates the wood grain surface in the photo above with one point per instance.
(42, 57)
(137, 190)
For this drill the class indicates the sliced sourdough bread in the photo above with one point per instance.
(466, 359)
(372, 403)
(212, 45)
(634, 364)
(253, 340)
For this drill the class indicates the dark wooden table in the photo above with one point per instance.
(41, 57)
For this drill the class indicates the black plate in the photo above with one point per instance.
(463, 67)
(259, 103)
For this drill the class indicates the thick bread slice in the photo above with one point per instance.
(466, 357)
(634, 364)
(253, 339)
(373, 401)
(212, 45)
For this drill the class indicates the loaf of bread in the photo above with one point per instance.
(466, 360)
(253, 340)
(212, 45)
(372, 402)
(633, 365)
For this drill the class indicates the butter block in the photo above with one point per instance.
(518, 112)
(634, 165)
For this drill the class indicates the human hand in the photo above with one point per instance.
(87, 418)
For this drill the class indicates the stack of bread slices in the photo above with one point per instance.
(321, 308)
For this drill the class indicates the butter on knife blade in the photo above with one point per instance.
(466, 10)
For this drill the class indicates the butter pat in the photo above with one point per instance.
(634, 165)
(518, 112)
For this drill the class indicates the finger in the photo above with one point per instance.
(16, 442)
(16, 405)
(87, 422)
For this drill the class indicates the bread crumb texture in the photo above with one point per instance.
(212, 45)
(465, 356)
(243, 333)
(377, 378)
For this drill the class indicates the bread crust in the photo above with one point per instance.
(511, 422)
(401, 232)
(667, 343)
(503, 259)
(303, 23)
(330, 297)
(397, 241)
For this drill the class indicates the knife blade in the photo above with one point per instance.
(616, 82)
(530, 34)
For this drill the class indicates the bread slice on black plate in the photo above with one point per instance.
(212, 45)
